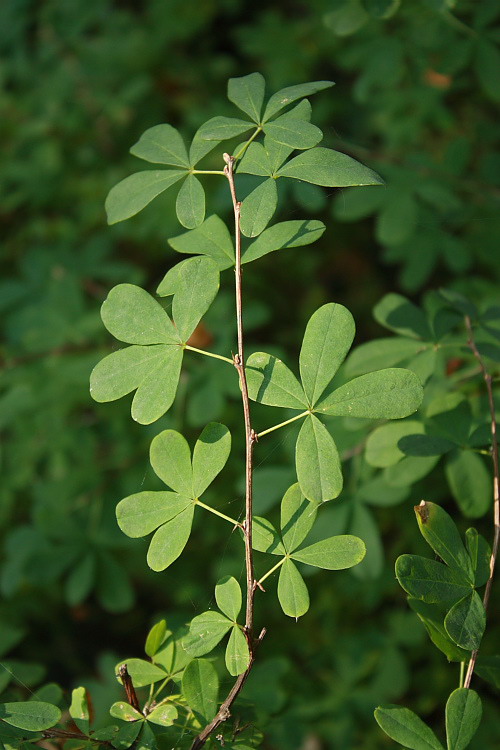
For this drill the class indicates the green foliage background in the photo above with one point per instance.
(416, 98)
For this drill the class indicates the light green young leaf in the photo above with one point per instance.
(164, 715)
(170, 539)
(258, 208)
(265, 538)
(290, 94)
(469, 482)
(237, 654)
(294, 133)
(141, 672)
(431, 616)
(200, 687)
(480, 554)
(162, 144)
(317, 462)
(463, 716)
(170, 458)
(33, 716)
(125, 712)
(79, 709)
(327, 339)
(466, 621)
(228, 597)
(221, 128)
(283, 235)
(132, 315)
(430, 580)
(439, 530)
(190, 204)
(292, 591)
(386, 394)
(255, 161)
(335, 553)
(400, 315)
(405, 727)
(205, 632)
(134, 193)
(247, 92)
(210, 455)
(271, 382)
(328, 168)
(156, 637)
(382, 446)
(297, 517)
(140, 514)
(211, 238)
(194, 283)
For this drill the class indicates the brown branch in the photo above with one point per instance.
(250, 438)
(129, 688)
(496, 482)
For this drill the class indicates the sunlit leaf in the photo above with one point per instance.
(237, 654)
(205, 632)
(164, 715)
(170, 539)
(34, 716)
(141, 672)
(317, 462)
(290, 94)
(133, 193)
(210, 454)
(156, 636)
(271, 382)
(142, 513)
(211, 238)
(439, 530)
(125, 712)
(162, 144)
(297, 517)
(170, 457)
(228, 596)
(221, 128)
(190, 204)
(335, 553)
(131, 315)
(292, 591)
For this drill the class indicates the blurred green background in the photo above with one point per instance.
(417, 99)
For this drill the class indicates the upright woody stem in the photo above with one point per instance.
(496, 482)
(250, 438)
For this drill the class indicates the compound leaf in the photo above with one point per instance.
(134, 193)
(317, 462)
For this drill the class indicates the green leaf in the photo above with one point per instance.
(374, 355)
(317, 462)
(292, 591)
(247, 92)
(470, 483)
(141, 672)
(466, 621)
(488, 68)
(431, 616)
(200, 148)
(170, 539)
(170, 458)
(488, 667)
(33, 716)
(290, 94)
(430, 580)
(255, 161)
(271, 382)
(405, 727)
(258, 208)
(125, 711)
(132, 315)
(409, 470)
(237, 654)
(152, 370)
(382, 446)
(156, 636)
(194, 283)
(385, 394)
(327, 339)
(328, 168)
(397, 221)
(228, 597)
(440, 532)
(162, 144)
(283, 235)
(81, 580)
(205, 632)
(364, 526)
(480, 554)
(113, 586)
(79, 709)
(400, 315)
(200, 687)
(222, 128)
(450, 415)
(265, 538)
(126, 735)
(190, 204)
(297, 517)
(163, 715)
(294, 133)
(463, 716)
(425, 445)
(210, 455)
(134, 193)
(211, 238)
(335, 553)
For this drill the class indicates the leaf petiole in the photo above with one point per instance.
(218, 513)
(208, 354)
(246, 145)
(271, 571)
(283, 424)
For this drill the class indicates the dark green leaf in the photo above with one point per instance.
(286, 96)
(328, 168)
(364, 526)
(317, 462)
(255, 161)
(221, 128)
(283, 235)
(162, 144)
(228, 597)
(466, 621)
(190, 205)
(400, 315)
(133, 193)
(211, 238)
(480, 554)
(431, 616)
(294, 133)
(470, 483)
(463, 716)
(200, 687)
(439, 530)
(292, 591)
(383, 444)
(247, 92)
(335, 553)
(405, 727)
(424, 445)
(430, 580)
(258, 208)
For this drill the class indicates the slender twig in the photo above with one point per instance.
(250, 438)
(283, 424)
(129, 687)
(218, 513)
(496, 485)
(208, 354)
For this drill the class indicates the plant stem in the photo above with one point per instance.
(218, 513)
(270, 572)
(496, 485)
(208, 354)
(283, 424)
(250, 437)
(462, 674)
